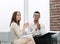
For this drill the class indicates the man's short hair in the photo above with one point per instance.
(37, 12)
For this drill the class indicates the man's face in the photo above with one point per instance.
(36, 16)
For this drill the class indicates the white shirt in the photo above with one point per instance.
(32, 27)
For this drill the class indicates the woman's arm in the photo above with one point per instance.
(15, 28)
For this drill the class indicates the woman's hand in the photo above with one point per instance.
(25, 25)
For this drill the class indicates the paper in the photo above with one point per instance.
(26, 36)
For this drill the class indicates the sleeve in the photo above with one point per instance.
(16, 29)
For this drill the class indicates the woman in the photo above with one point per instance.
(15, 29)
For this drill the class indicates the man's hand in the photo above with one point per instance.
(38, 26)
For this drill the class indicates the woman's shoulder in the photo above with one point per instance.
(13, 24)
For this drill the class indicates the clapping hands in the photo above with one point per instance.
(25, 25)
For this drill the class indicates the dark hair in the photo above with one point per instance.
(14, 18)
(37, 12)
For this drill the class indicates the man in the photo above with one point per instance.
(37, 30)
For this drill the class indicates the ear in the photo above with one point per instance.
(39, 16)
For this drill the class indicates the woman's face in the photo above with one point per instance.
(18, 16)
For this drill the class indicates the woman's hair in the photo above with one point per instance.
(13, 19)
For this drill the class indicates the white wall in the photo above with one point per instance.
(7, 7)
(43, 7)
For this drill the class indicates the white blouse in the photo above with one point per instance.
(19, 38)
(15, 30)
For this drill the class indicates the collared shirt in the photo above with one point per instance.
(32, 27)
